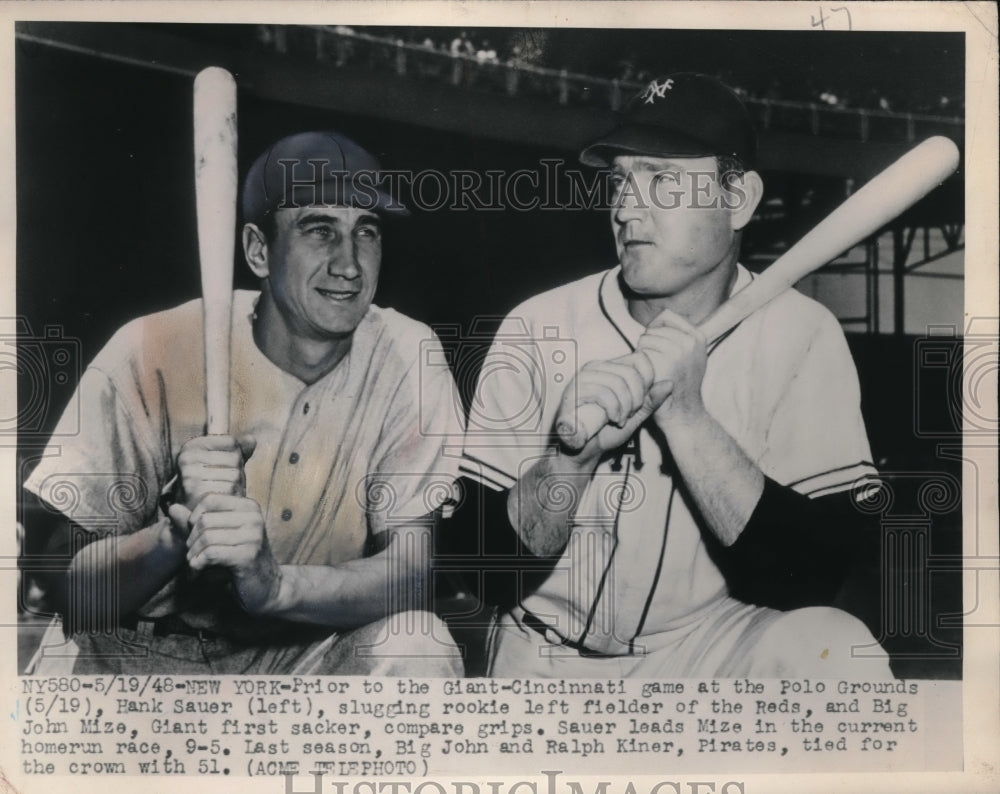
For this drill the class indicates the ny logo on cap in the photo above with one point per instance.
(655, 89)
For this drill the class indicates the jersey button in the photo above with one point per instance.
(305, 408)
(293, 458)
(286, 515)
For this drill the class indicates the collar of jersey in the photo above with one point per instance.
(616, 308)
(244, 310)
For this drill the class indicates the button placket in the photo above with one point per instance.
(285, 485)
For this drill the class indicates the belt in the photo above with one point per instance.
(168, 624)
(272, 632)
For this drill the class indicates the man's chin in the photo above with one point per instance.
(340, 330)
(339, 320)
(335, 328)
(634, 286)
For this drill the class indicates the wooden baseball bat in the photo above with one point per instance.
(215, 190)
(881, 199)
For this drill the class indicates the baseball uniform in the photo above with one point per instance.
(637, 589)
(336, 463)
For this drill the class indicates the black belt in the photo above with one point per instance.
(169, 624)
(265, 632)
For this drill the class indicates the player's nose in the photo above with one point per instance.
(626, 207)
(342, 262)
(622, 216)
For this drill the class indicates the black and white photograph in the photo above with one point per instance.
(440, 391)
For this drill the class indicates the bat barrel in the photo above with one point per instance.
(881, 199)
(215, 190)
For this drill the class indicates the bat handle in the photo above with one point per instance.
(575, 432)
(217, 362)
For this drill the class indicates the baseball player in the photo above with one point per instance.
(298, 543)
(718, 467)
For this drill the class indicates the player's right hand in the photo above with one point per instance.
(213, 464)
(229, 531)
(625, 391)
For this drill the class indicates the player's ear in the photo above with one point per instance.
(255, 249)
(743, 192)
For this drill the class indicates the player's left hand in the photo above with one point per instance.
(679, 354)
(228, 531)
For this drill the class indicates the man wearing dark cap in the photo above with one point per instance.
(299, 542)
(720, 469)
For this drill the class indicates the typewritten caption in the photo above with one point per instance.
(356, 727)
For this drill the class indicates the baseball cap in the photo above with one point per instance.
(315, 168)
(679, 115)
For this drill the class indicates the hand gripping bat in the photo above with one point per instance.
(881, 199)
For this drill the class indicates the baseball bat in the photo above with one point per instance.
(215, 192)
(881, 199)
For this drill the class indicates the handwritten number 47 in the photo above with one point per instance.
(825, 19)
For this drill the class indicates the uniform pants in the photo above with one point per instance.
(413, 643)
(726, 639)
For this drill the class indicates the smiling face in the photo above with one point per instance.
(675, 232)
(322, 267)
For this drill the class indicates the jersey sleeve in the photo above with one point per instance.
(418, 454)
(102, 468)
(816, 441)
(513, 406)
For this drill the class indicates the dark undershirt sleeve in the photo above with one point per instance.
(51, 540)
(485, 553)
(795, 551)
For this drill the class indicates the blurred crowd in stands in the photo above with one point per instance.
(476, 59)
